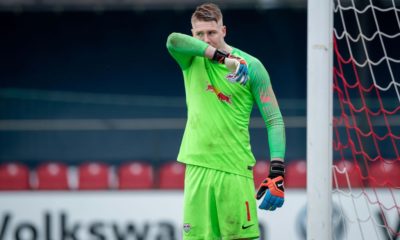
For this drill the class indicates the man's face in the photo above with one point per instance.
(211, 32)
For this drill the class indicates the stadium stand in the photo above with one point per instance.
(260, 171)
(51, 176)
(171, 176)
(135, 175)
(296, 174)
(14, 176)
(93, 176)
(384, 174)
(139, 175)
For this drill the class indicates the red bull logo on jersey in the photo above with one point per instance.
(265, 96)
(220, 95)
(265, 99)
(210, 88)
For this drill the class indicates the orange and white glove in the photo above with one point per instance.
(272, 187)
(237, 66)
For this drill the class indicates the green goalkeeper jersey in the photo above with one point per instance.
(217, 129)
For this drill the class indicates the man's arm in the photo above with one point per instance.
(268, 106)
(183, 48)
(272, 187)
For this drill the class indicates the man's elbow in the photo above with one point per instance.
(173, 40)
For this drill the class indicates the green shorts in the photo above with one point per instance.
(218, 205)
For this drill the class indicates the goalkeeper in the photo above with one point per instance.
(221, 84)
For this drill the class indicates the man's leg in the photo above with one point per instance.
(236, 204)
(200, 214)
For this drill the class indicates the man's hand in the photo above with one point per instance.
(237, 66)
(272, 187)
(274, 193)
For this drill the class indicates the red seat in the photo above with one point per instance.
(296, 174)
(260, 172)
(343, 168)
(172, 176)
(93, 176)
(385, 174)
(52, 176)
(14, 176)
(135, 175)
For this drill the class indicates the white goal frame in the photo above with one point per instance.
(319, 119)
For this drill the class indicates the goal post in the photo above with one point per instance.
(353, 116)
(319, 119)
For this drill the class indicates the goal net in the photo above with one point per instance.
(366, 119)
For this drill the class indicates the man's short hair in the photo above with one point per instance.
(207, 12)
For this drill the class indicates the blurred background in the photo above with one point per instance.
(91, 100)
(92, 80)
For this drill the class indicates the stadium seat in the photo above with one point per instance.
(135, 175)
(52, 176)
(385, 174)
(353, 173)
(260, 172)
(14, 176)
(93, 176)
(296, 174)
(172, 176)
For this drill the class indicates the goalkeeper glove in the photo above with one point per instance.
(272, 187)
(237, 66)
